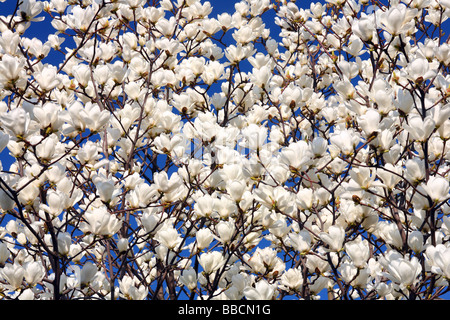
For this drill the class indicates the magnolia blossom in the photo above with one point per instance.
(415, 169)
(16, 121)
(204, 238)
(346, 141)
(262, 291)
(334, 237)
(415, 241)
(11, 71)
(265, 261)
(211, 261)
(4, 253)
(438, 257)
(64, 242)
(296, 155)
(130, 289)
(48, 78)
(34, 272)
(169, 237)
(404, 271)
(390, 175)
(283, 150)
(301, 241)
(13, 274)
(291, 279)
(419, 69)
(370, 122)
(437, 188)
(364, 28)
(420, 128)
(225, 231)
(254, 136)
(396, 19)
(358, 251)
(100, 222)
(88, 273)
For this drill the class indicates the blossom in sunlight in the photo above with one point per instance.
(301, 241)
(131, 289)
(100, 222)
(34, 272)
(206, 150)
(17, 122)
(397, 19)
(13, 275)
(189, 278)
(359, 252)
(262, 291)
(169, 237)
(211, 261)
(48, 78)
(11, 71)
(364, 28)
(419, 69)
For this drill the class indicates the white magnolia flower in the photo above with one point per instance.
(64, 243)
(420, 129)
(439, 259)
(262, 290)
(132, 289)
(301, 241)
(292, 279)
(225, 230)
(100, 222)
(396, 19)
(370, 121)
(184, 152)
(211, 261)
(34, 272)
(364, 27)
(437, 188)
(359, 252)
(415, 241)
(11, 71)
(16, 121)
(87, 273)
(419, 69)
(13, 274)
(334, 237)
(204, 237)
(189, 278)
(4, 253)
(47, 78)
(296, 155)
(169, 237)
(404, 271)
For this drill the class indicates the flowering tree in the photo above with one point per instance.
(173, 154)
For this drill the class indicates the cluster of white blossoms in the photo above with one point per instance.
(274, 152)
